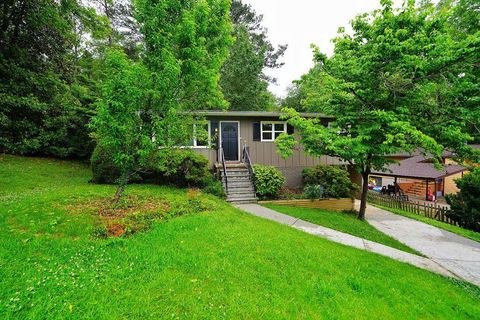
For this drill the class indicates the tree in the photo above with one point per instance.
(123, 28)
(37, 105)
(374, 83)
(243, 80)
(465, 205)
(118, 123)
(186, 44)
(143, 103)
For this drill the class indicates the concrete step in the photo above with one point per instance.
(233, 177)
(239, 185)
(241, 193)
(243, 200)
(236, 173)
(238, 179)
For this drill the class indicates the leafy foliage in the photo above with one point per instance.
(41, 112)
(243, 80)
(142, 102)
(118, 124)
(465, 205)
(314, 191)
(268, 181)
(180, 167)
(186, 45)
(103, 167)
(213, 186)
(376, 85)
(334, 182)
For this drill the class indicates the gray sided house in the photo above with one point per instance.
(240, 138)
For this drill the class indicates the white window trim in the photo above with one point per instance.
(273, 129)
(209, 142)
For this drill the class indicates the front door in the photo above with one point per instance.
(229, 137)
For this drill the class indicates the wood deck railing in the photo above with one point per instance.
(432, 211)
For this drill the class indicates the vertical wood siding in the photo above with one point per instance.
(265, 152)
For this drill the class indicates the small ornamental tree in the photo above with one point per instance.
(143, 106)
(465, 205)
(374, 84)
(118, 124)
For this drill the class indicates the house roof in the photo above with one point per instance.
(418, 152)
(419, 167)
(255, 114)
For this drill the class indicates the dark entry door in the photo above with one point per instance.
(230, 140)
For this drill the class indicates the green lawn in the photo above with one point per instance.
(343, 222)
(220, 263)
(442, 225)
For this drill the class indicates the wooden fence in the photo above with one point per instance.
(432, 211)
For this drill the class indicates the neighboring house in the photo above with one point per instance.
(416, 175)
(235, 132)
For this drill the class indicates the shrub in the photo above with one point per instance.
(213, 186)
(314, 191)
(465, 205)
(103, 168)
(334, 180)
(176, 166)
(268, 180)
(182, 167)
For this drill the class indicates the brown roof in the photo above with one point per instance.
(418, 152)
(419, 167)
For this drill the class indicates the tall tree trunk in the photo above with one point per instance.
(363, 197)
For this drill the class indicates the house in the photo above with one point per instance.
(240, 138)
(416, 175)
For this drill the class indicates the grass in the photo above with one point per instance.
(439, 224)
(344, 222)
(218, 263)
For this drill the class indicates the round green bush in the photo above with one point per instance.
(103, 168)
(465, 205)
(268, 181)
(181, 167)
(332, 180)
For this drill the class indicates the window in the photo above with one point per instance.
(270, 130)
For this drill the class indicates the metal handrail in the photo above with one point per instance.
(224, 166)
(246, 159)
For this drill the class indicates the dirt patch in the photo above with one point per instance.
(115, 230)
(133, 213)
(130, 215)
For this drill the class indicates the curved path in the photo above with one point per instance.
(459, 255)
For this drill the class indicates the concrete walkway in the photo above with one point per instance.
(459, 255)
(345, 239)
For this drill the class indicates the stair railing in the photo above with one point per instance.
(224, 167)
(248, 162)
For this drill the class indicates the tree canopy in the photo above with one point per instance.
(382, 84)
(144, 104)
(243, 79)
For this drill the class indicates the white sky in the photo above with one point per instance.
(300, 23)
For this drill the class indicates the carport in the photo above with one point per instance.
(421, 168)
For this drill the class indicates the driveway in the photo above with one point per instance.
(459, 255)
